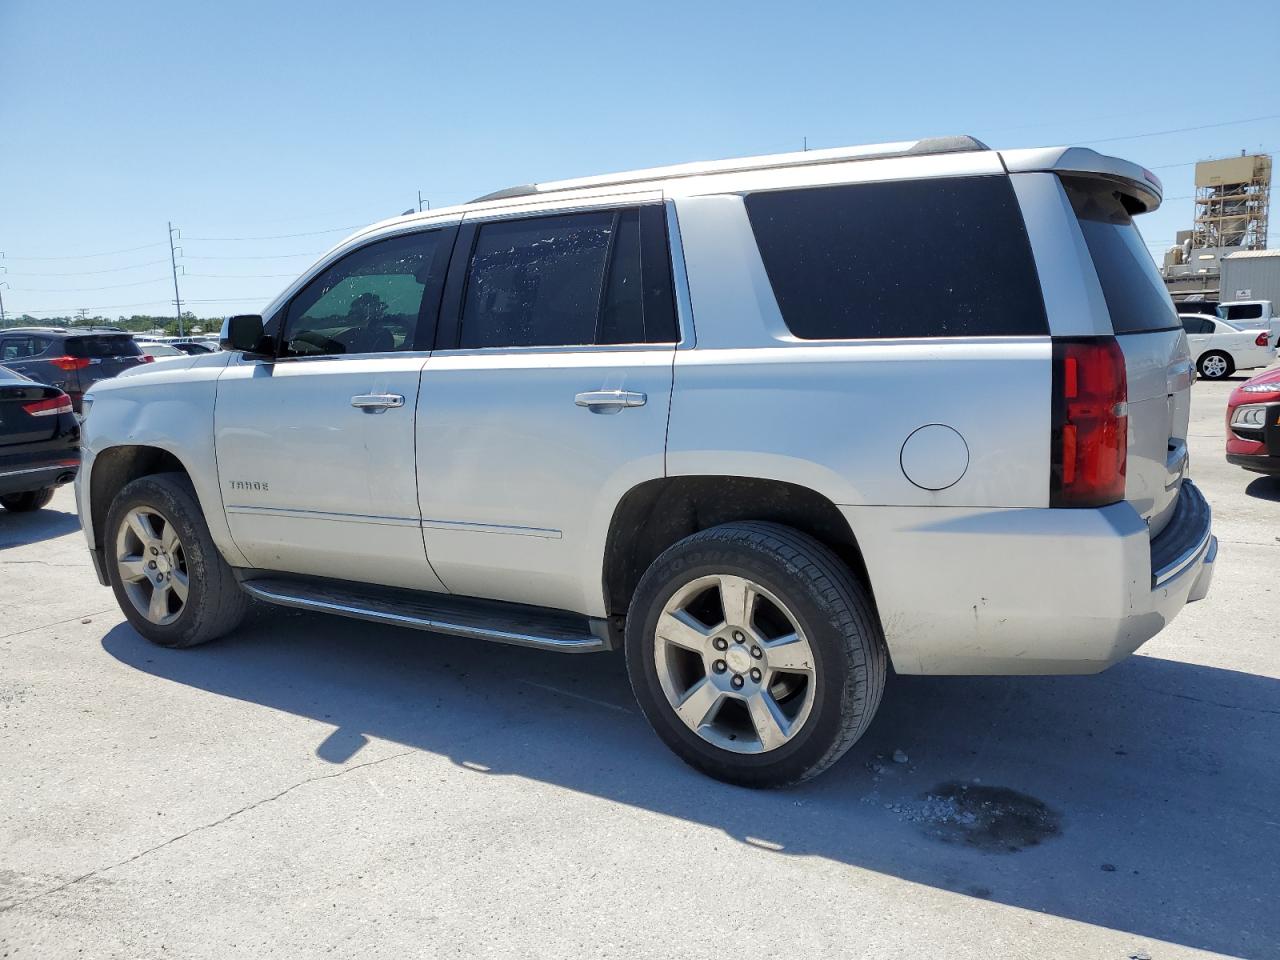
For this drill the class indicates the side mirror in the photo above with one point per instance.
(244, 334)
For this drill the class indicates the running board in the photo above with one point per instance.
(458, 616)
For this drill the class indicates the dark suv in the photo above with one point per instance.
(71, 360)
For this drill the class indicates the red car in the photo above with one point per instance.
(1253, 424)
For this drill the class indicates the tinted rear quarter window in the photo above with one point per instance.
(916, 258)
(102, 347)
(1245, 311)
(1136, 296)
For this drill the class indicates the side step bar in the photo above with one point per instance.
(458, 616)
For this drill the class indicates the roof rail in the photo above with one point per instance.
(876, 151)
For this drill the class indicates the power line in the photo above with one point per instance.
(114, 286)
(1203, 126)
(272, 256)
(68, 311)
(278, 236)
(90, 273)
(86, 256)
(245, 276)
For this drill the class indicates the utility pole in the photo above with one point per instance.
(2, 322)
(173, 262)
(420, 202)
(83, 315)
(806, 144)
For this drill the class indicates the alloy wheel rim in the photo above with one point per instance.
(1215, 367)
(734, 664)
(152, 565)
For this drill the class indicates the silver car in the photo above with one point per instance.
(768, 425)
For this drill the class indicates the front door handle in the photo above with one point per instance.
(610, 401)
(377, 402)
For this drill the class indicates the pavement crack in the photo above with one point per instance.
(45, 626)
(204, 826)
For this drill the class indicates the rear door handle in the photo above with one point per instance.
(610, 401)
(377, 402)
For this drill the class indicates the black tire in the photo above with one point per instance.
(27, 501)
(1231, 367)
(215, 604)
(830, 606)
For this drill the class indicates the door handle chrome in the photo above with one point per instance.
(377, 402)
(610, 400)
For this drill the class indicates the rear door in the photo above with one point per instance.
(99, 356)
(315, 446)
(1150, 333)
(545, 400)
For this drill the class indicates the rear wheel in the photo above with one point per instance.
(755, 654)
(27, 501)
(168, 577)
(1216, 365)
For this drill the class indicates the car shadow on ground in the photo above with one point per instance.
(1145, 797)
(20, 529)
(1264, 488)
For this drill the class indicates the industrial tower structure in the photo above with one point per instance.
(1232, 201)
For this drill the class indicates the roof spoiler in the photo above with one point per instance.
(1140, 185)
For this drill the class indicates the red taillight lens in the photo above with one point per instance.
(70, 363)
(1090, 441)
(146, 358)
(1261, 340)
(49, 408)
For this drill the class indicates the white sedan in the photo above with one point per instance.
(1219, 349)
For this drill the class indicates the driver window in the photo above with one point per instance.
(368, 302)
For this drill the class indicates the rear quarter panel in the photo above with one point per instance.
(754, 401)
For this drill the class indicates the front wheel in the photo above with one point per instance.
(168, 577)
(755, 654)
(1216, 365)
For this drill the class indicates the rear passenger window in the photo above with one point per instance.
(1197, 325)
(566, 280)
(915, 258)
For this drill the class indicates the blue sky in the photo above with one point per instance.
(258, 120)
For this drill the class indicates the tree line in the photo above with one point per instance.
(137, 323)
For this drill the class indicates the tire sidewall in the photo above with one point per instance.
(168, 497)
(696, 558)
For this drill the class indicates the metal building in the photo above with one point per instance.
(1233, 197)
(1252, 275)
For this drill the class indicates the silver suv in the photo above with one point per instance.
(768, 425)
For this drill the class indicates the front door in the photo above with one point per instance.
(545, 401)
(315, 447)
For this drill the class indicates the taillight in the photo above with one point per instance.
(70, 363)
(1089, 443)
(146, 358)
(49, 408)
(1261, 340)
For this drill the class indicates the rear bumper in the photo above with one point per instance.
(37, 478)
(1029, 591)
(1258, 463)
